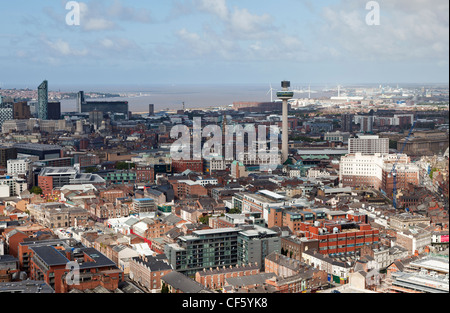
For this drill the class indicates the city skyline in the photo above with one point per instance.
(223, 42)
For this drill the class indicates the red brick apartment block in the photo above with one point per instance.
(214, 278)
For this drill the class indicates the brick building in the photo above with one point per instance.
(112, 194)
(214, 278)
(147, 271)
(186, 188)
(337, 232)
(49, 263)
(179, 166)
(145, 173)
(293, 247)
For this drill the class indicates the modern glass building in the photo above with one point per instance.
(203, 249)
(43, 100)
(255, 243)
(213, 248)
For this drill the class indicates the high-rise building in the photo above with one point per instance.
(365, 122)
(54, 110)
(368, 144)
(151, 109)
(96, 118)
(347, 122)
(6, 114)
(7, 153)
(80, 101)
(43, 100)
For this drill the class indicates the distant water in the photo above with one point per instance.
(172, 97)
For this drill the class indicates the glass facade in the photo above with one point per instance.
(43, 100)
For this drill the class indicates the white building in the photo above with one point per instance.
(18, 166)
(16, 185)
(373, 170)
(368, 144)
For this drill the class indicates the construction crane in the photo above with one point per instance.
(393, 172)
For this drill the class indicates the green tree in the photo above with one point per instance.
(124, 165)
(204, 219)
(165, 288)
(392, 144)
(36, 190)
(91, 170)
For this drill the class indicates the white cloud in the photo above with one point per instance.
(408, 30)
(118, 10)
(216, 7)
(97, 24)
(244, 23)
(97, 16)
(61, 48)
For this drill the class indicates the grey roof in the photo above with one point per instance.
(154, 263)
(8, 258)
(131, 221)
(99, 259)
(172, 219)
(182, 283)
(26, 286)
(50, 255)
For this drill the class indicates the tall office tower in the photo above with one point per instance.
(21, 111)
(367, 124)
(151, 109)
(96, 118)
(285, 95)
(347, 122)
(54, 111)
(43, 100)
(7, 153)
(6, 113)
(80, 100)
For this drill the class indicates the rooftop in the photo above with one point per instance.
(50, 255)
(26, 286)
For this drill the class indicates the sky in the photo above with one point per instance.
(143, 42)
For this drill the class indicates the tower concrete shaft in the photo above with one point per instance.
(285, 130)
(285, 95)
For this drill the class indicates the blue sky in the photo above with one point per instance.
(223, 42)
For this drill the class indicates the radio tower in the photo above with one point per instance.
(285, 95)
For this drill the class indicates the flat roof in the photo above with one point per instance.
(99, 259)
(215, 231)
(433, 263)
(272, 194)
(50, 255)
